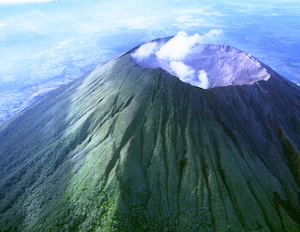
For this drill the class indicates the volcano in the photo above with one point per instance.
(133, 148)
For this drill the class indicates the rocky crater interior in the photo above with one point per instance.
(202, 65)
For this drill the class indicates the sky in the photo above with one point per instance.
(46, 44)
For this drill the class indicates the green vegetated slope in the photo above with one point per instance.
(132, 149)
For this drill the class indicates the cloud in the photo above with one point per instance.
(184, 18)
(172, 56)
(8, 78)
(24, 1)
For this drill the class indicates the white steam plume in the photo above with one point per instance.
(145, 50)
(182, 71)
(202, 77)
(178, 47)
(172, 54)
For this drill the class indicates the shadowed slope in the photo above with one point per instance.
(133, 149)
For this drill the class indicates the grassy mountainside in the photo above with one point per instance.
(132, 149)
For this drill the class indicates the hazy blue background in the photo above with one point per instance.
(46, 44)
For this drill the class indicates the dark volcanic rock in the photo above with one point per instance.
(132, 149)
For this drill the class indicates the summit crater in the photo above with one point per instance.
(202, 65)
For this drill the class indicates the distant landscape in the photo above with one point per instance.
(47, 44)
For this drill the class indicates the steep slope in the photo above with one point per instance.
(132, 149)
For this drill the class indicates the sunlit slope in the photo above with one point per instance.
(133, 149)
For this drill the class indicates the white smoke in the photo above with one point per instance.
(178, 47)
(171, 56)
(181, 70)
(202, 77)
(144, 51)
